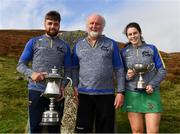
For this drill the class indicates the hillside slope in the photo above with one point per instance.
(13, 90)
(12, 43)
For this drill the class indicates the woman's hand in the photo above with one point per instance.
(149, 89)
(130, 74)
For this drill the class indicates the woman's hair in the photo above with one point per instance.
(53, 15)
(135, 25)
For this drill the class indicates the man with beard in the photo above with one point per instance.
(95, 59)
(44, 52)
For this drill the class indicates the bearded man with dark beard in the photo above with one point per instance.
(44, 52)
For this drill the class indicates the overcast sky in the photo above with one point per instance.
(159, 19)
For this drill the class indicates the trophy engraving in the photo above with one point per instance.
(53, 80)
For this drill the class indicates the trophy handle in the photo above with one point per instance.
(70, 80)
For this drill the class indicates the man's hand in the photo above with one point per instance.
(76, 94)
(75, 91)
(119, 100)
(38, 76)
(61, 95)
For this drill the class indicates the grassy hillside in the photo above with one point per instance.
(13, 98)
(13, 102)
(13, 92)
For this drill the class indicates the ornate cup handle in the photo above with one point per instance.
(70, 80)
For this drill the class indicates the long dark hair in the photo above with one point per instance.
(135, 25)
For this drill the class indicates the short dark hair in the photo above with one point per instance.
(53, 15)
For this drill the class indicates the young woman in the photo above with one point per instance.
(145, 103)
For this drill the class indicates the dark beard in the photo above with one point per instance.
(52, 34)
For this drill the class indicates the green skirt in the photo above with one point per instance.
(142, 102)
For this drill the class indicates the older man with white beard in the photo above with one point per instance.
(96, 59)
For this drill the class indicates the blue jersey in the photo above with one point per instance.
(94, 67)
(147, 54)
(44, 53)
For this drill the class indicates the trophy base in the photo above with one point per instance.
(141, 85)
(50, 118)
(49, 123)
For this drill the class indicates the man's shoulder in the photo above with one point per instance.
(34, 39)
(108, 40)
(62, 42)
(80, 42)
(103, 37)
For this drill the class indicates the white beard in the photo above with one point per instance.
(94, 34)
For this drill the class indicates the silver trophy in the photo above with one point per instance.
(51, 117)
(140, 69)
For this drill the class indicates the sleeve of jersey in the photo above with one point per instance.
(67, 57)
(118, 68)
(160, 66)
(25, 58)
(75, 68)
(122, 52)
(67, 66)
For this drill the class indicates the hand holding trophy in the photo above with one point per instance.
(53, 80)
(141, 69)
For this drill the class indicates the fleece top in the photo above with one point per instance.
(94, 67)
(44, 53)
(145, 54)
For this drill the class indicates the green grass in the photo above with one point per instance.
(13, 103)
(170, 95)
(13, 98)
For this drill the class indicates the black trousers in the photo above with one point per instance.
(98, 109)
(38, 104)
